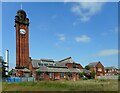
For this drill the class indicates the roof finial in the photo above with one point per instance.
(21, 5)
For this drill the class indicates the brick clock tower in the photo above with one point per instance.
(22, 40)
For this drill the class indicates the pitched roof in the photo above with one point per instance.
(47, 69)
(112, 67)
(93, 64)
(65, 59)
(47, 60)
(74, 70)
(35, 62)
(64, 62)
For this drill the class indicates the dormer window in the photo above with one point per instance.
(45, 64)
(40, 64)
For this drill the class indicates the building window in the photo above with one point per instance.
(99, 69)
(40, 64)
(112, 70)
(45, 64)
(42, 75)
(62, 75)
(54, 64)
(51, 64)
(51, 75)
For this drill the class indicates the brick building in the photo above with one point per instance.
(47, 69)
(97, 67)
(111, 71)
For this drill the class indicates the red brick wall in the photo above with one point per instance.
(69, 65)
(31, 67)
(57, 76)
(79, 66)
(99, 73)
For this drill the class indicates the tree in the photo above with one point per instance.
(10, 72)
(69, 74)
(87, 67)
(93, 74)
(81, 75)
(2, 66)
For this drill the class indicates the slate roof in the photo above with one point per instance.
(35, 62)
(65, 59)
(74, 70)
(47, 60)
(64, 62)
(93, 64)
(47, 69)
(110, 67)
(59, 64)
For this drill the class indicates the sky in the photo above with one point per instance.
(88, 32)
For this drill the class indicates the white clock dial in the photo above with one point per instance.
(22, 31)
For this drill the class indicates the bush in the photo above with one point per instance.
(69, 74)
(81, 74)
(85, 78)
(92, 74)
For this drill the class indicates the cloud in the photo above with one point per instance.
(82, 38)
(61, 37)
(85, 10)
(112, 31)
(107, 52)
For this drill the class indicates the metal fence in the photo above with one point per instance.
(18, 79)
(107, 77)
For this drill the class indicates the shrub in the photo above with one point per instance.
(85, 78)
(87, 67)
(81, 74)
(69, 74)
(93, 74)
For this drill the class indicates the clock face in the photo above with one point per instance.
(22, 31)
